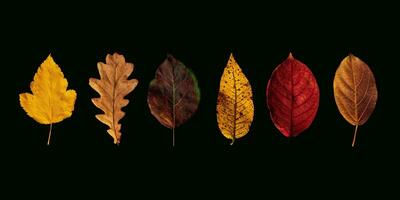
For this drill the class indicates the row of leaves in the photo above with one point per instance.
(174, 95)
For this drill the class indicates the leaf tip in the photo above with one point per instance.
(232, 58)
(351, 57)
(170, 58)
(49, 59)
(290, 56)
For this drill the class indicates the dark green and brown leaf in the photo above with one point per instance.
(173, 95)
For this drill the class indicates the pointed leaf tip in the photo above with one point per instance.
(290, 56)
(231, 57)
(50, 60)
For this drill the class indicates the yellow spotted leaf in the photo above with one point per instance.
(235, 108)
(355, 91)
(113, 86)
(50, 101)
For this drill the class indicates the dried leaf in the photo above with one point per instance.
(50, 101)
(113, 86)
(292, 97)
(355, 91)
(174, 94)
(235, 108)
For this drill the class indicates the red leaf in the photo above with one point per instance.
(292, 97)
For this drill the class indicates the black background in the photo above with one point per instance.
(146, 147)
(141, 132)
(82, 155)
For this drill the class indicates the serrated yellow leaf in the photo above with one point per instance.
(235, 108)
(50, 101)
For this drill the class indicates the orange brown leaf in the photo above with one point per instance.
(113, 86)
(355, 91)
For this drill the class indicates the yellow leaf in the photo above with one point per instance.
(113, 86)
(235, 108)
(50, 102)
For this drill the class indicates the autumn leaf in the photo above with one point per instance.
(113, 86)
(173, 95)
(235, 108)
(50, 101)
(355, 91)
(292, 97)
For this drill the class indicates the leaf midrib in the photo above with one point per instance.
(355, 90)
(113, 100)
(51, 101)
(235, 103)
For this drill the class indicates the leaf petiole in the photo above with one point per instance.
(48, 139)
(233, 141)
(354, 137)
(173, 136)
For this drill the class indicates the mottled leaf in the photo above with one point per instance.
(235, 108)
(292, 97)
(173, 95)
